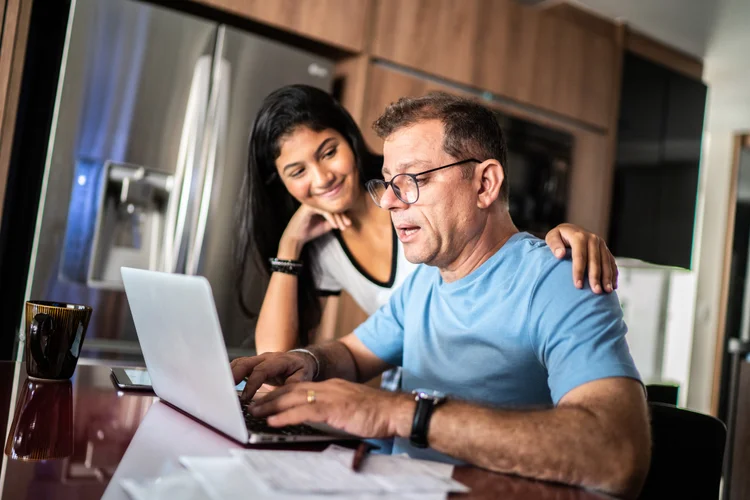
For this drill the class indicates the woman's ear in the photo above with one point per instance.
(491, 178)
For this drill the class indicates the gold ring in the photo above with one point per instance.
(310, 396)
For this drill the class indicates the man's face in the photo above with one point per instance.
(436, 228)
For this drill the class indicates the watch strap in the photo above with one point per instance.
(421, 423)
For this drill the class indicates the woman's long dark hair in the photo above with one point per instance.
(266, 205)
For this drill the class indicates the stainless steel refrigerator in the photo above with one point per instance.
(147, 155)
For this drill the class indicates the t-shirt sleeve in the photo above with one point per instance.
(325, 283)
(578, 336)
(383, 332)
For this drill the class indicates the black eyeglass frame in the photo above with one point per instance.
(414, 178)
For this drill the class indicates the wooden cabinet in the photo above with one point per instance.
(559, 59)
(14, 20)
(574, 70)
(387, 86)
(598, 91)
(508, 35)
(590, 185)
(435, 36)
(342, 23)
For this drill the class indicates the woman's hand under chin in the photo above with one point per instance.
(307, 224)
(588, 251)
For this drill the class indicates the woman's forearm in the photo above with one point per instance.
(277, 328)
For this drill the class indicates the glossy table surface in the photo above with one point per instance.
(79, 439)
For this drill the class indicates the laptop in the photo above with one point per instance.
(183, 347)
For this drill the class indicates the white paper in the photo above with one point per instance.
(227, 478)
(392, 464)
(330, 472)
(230, 478)
(403, 472)
(307, 472)
(180, 484)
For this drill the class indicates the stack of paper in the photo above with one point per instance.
(288, 475)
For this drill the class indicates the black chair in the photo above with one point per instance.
(686, 456)
(663, 392)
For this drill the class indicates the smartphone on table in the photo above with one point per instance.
(137, 379)
(131, 379)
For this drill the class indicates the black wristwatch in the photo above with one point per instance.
(427, 401)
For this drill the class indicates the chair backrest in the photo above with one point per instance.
(663, 392)
(687, 454)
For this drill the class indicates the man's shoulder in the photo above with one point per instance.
(526, 245)
(549, 281)
(531, 259)
(546, 276)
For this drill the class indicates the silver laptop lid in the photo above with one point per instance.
(183, 346)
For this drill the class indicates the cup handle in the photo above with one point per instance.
(41, 326)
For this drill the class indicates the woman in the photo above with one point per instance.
(309, 219)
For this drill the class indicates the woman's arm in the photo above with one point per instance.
(277, 328)
(281, 334)
(588, 251)
(326, 331)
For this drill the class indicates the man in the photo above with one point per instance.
(491, 321)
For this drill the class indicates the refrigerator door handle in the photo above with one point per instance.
(214, 141)
(189, 154)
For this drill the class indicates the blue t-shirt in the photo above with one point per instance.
(513, 333)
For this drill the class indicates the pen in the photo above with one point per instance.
(359, 455)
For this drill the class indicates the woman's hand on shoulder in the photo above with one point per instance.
(590, 252)
(307, 224)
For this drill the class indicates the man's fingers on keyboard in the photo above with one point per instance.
(254, 381)
(298, 415)
(241, 367)
(276, 393)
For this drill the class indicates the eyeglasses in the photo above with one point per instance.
(404, 186)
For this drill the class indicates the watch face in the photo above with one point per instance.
(428, 394)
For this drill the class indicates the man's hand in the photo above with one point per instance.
(274, 368)
(353, 408)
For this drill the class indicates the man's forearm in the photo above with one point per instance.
(334, 361)
(566, 445)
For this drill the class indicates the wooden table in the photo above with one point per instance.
(110, 435)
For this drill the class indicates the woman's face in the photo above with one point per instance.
(318, 169)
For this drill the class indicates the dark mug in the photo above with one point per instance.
(42, 427)
(54, 336)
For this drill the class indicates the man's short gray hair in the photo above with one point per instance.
(471, 129)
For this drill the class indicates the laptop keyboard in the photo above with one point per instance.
(259, 425)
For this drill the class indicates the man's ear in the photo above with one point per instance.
(491, 178)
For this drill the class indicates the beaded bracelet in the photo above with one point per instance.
(293, 267)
